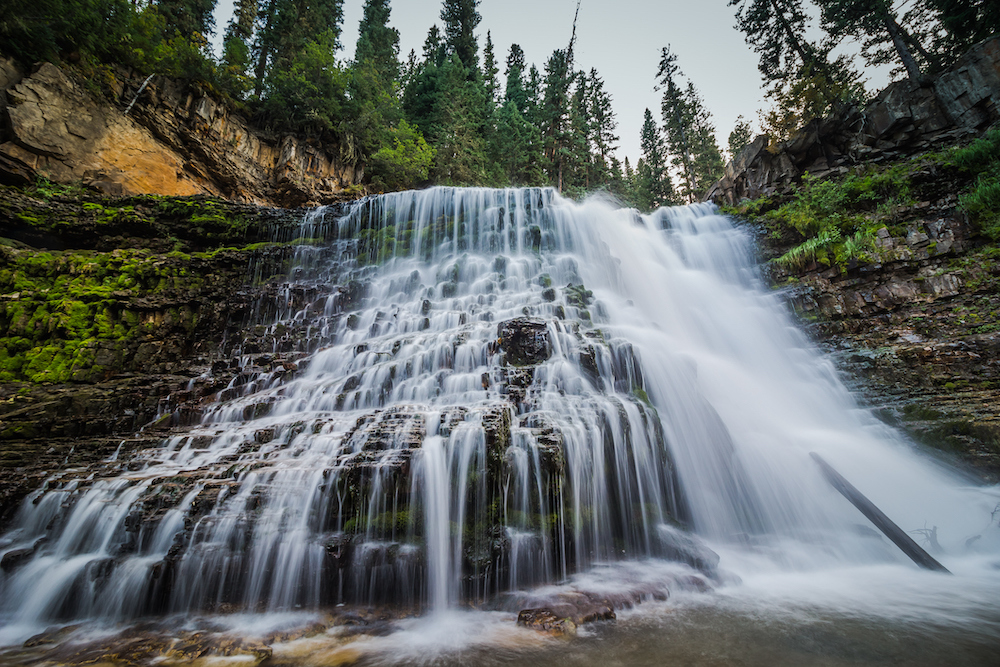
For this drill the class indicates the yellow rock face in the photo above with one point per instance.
(173, 141)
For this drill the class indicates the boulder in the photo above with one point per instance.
(524, 341)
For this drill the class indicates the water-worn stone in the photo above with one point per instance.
(524, 341)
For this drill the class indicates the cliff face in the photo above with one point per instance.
(916, 335)
(904, 119)
(174, 140)
(114, 311)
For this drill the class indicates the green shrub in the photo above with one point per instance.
(404, 163)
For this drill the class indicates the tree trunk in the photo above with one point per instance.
(896, 33)
(265, 38)
(808, 59)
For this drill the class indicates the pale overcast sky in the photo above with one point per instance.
(622, 39)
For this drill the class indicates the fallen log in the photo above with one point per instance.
(898, 536)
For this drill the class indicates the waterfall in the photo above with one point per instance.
(483, 390)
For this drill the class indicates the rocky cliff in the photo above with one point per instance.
(157, 136)
(904, 119)
(115, 311)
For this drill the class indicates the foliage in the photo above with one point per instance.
(308, 93)
(875, 23)
(740, 137)
(688, 129)
(839, 218)
(982, 201)
(405, 163)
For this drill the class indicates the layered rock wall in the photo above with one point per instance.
(174, 140)
(906, 118)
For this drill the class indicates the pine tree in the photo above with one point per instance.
(678, 120)
(304, 85)
(373, 106)
(460, 19)
(874, 23)
(234, 69)
(422, 95)
(515, 90)
(188, 17)
(740, 137)
(533, 90)
(459, 137)
(652, 186)
(603, 125)
(378, 43)
(553, 115)
(577, 163)
(690, 135)
(708, 163)
(490, 72)
(517, 148)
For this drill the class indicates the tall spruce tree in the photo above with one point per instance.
(517, 148)
(740, 137)
(603, 125)
(708, 164)
(688, 129)
(553, 115)
(460, 19)
(652, 186)
(234, 68)
(677, 120)
(577, 163)
(515, 90)
(373, 106)
(378, 42)
(304, 85)
(490, 72)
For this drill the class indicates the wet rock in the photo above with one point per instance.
(566, 613)
(547, 621)
(187, 142)
(524, 341)
(15, 558)
(686, 548)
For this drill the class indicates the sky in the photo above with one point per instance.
(621, 39)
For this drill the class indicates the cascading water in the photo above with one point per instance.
(497, 388)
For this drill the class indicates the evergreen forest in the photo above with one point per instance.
(466, 111)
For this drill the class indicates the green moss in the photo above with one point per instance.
(836, 220)
(67, 302)
(641, 394)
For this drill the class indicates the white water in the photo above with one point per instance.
(261, 507)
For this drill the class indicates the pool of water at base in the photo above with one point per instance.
(878, 615)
